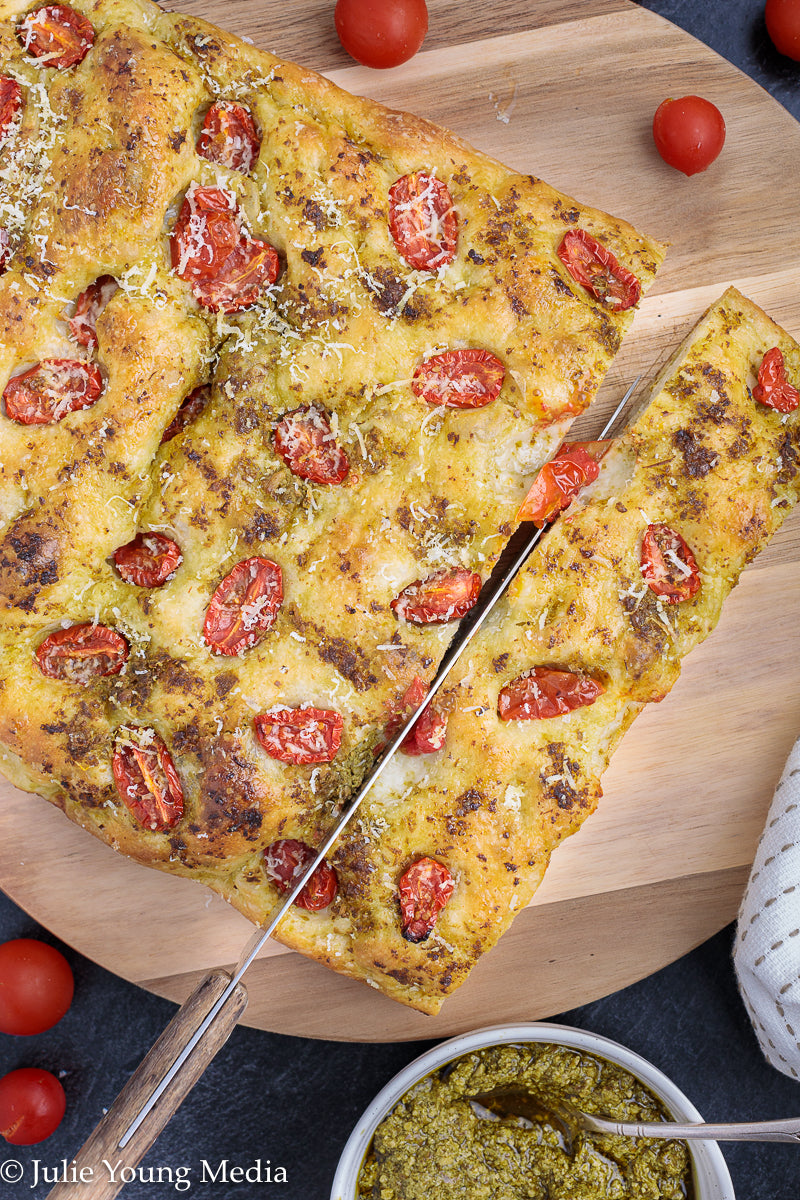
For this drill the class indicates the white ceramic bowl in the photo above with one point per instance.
(711, 1178)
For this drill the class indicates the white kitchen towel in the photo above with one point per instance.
(767, 948)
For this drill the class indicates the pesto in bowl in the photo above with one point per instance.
(437, 1142)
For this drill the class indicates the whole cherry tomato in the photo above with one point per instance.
(32, 1104)
(424, 890)
(783, 26)
(381, 33)
(36, 986)
(689, 133)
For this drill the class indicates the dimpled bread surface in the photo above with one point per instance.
(91, 184)
(703, 458)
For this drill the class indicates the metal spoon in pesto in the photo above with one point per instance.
(568, 1120)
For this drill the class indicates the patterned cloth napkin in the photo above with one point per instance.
(767, 948)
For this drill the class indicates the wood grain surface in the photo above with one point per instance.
(565, 90)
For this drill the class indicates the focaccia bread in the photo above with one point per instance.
(277, 366)
(479, 820)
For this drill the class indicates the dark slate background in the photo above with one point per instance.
(292, 1102)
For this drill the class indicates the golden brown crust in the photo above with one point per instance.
(703, 458)
(91, 185)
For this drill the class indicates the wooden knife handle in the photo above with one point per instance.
(95, 1172)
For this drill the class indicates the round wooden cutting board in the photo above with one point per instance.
(564, 90)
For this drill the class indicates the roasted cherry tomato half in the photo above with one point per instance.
(229, 136)
(423, 221)
(32, 1106)
(428, 733)
(288, 858)
(36, 986)
(146, 779)
(57, 35)
(689, 133)
(82, 653)
(459, 379)
(149, 560)
(668, 565)
(381, 33)
(53, 388)
(300, 735)
(783, 26)
(88, 307)
(244, 606)
(546, 692)
(595, 268)
(560, 480)
(446, 595)
(424, 890)
(192, 406)
(211, 250)
(773, 388)
(306, 443)
(10, 106)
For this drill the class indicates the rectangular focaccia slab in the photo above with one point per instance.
(703, 458)
(101, 176)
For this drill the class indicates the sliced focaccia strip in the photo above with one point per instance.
(356, 344)
(707, 461)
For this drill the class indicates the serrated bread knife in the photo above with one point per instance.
(205, 1021)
